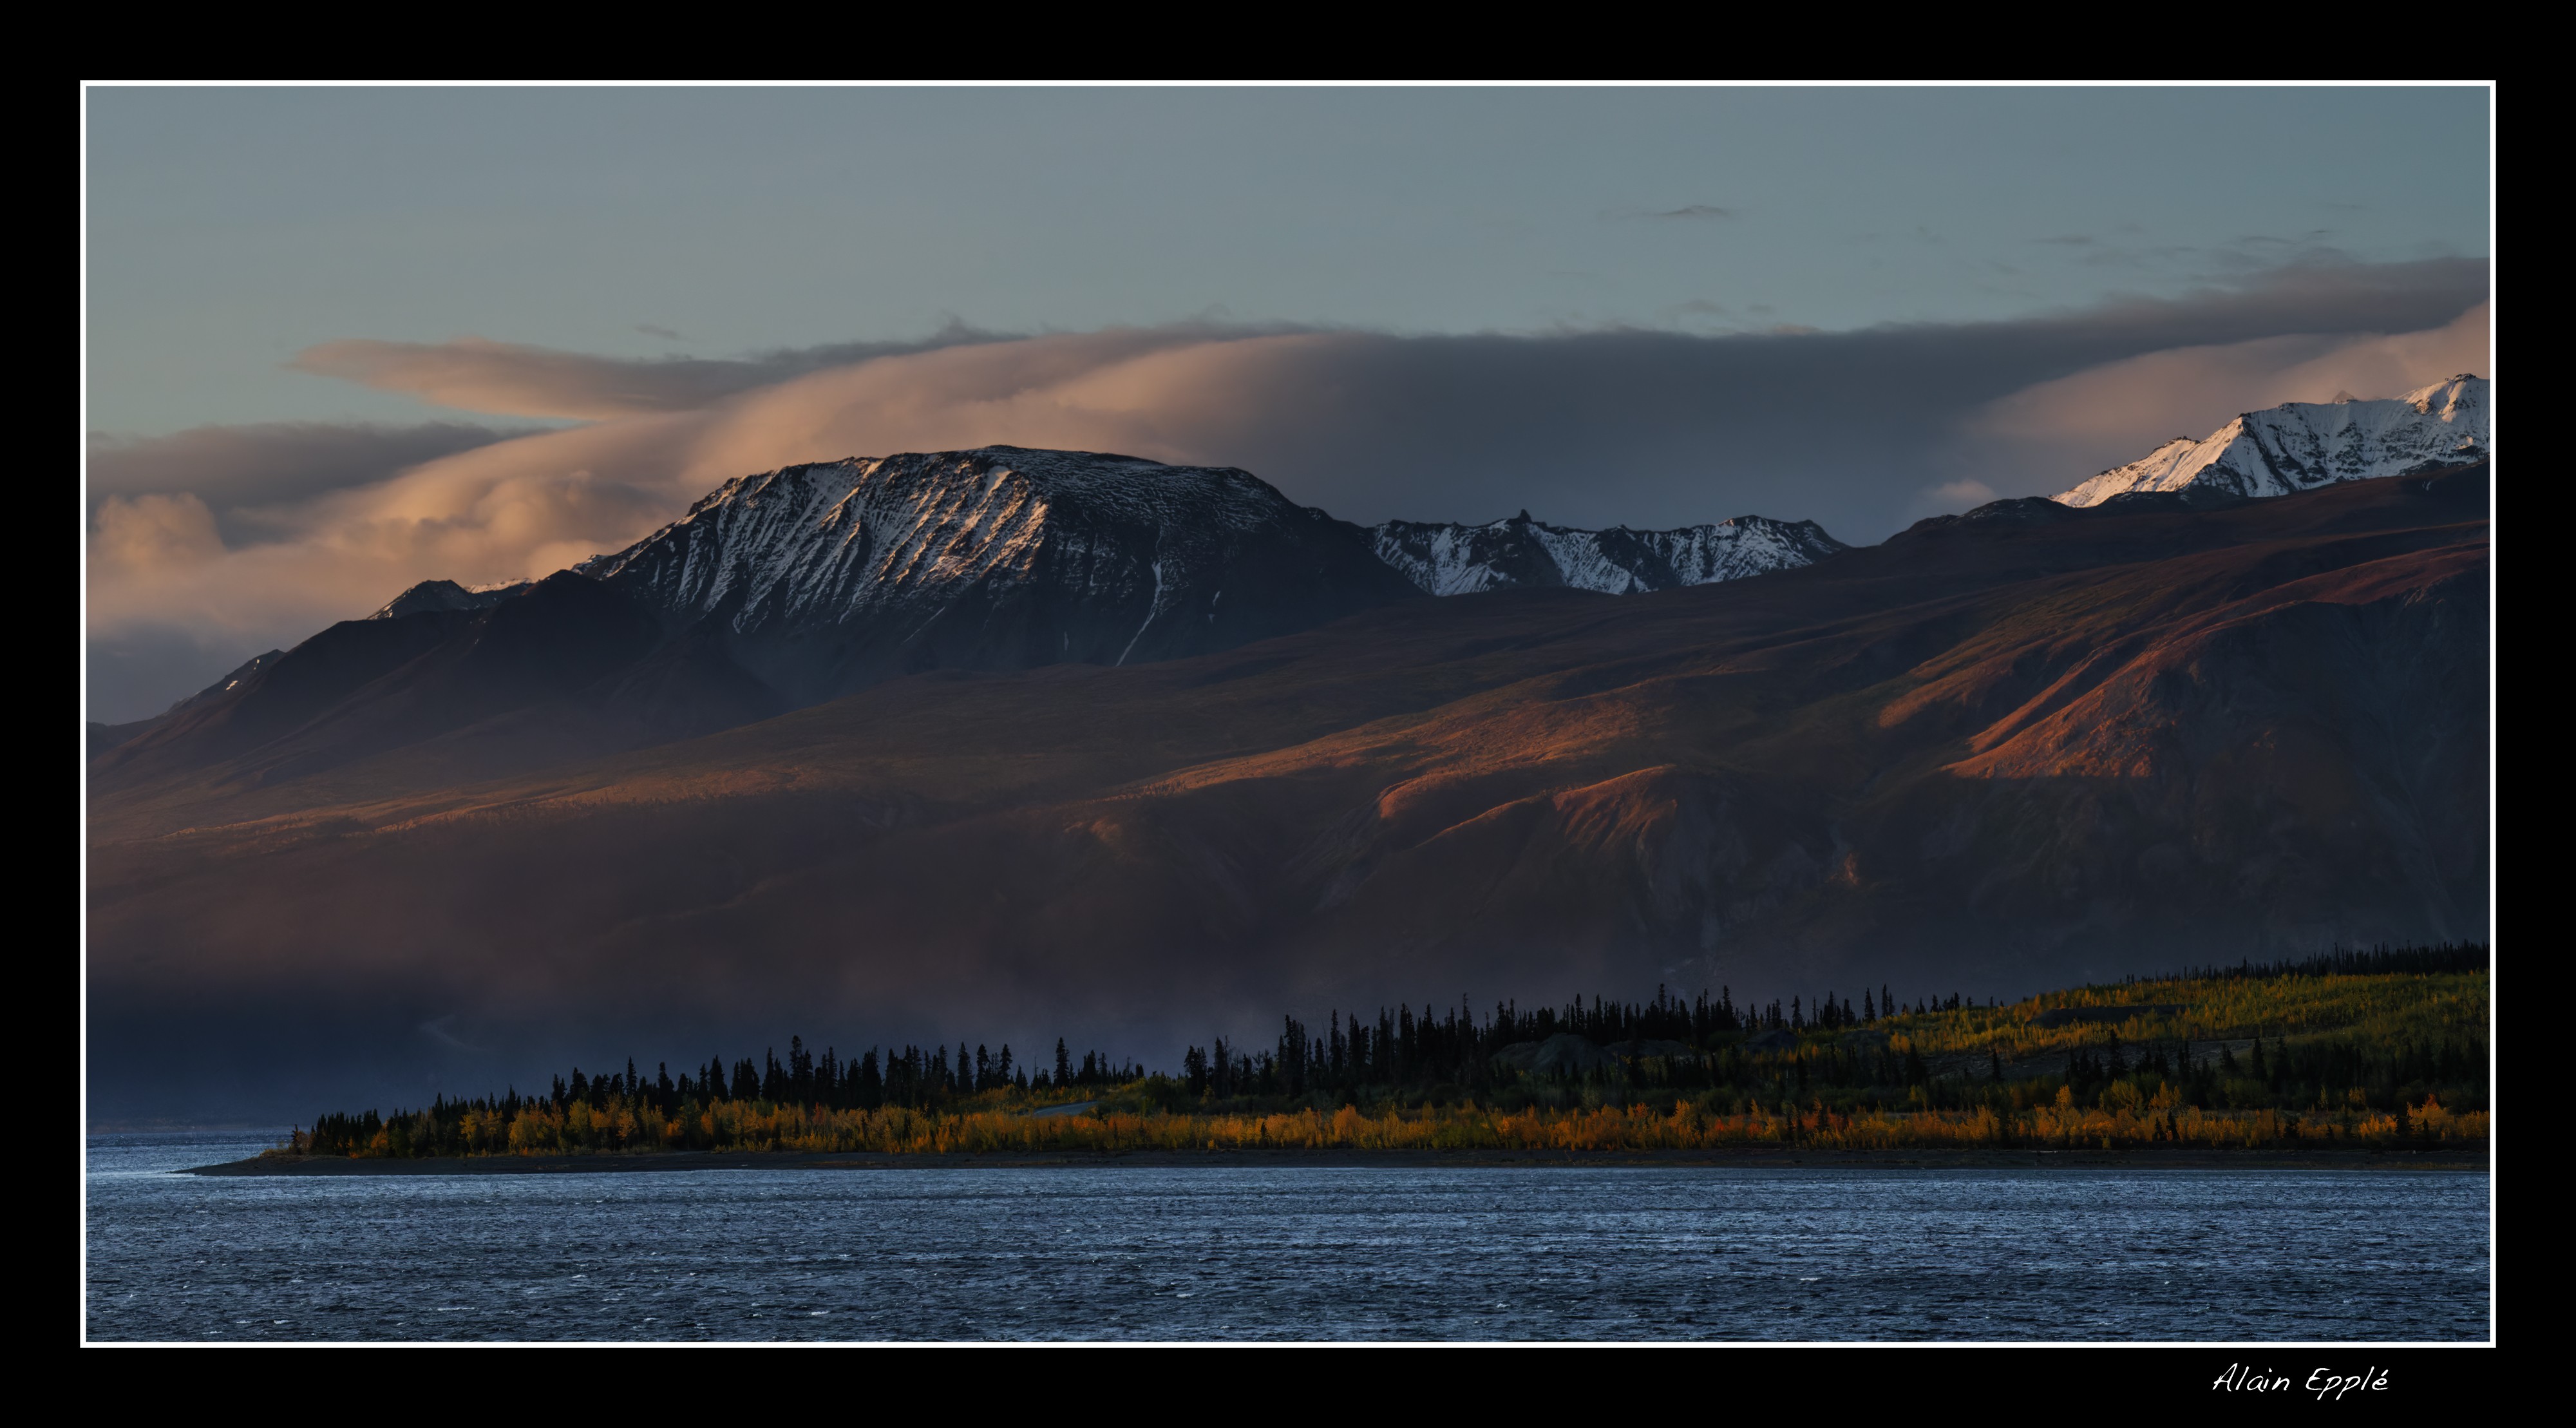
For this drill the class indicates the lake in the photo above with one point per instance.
(1115, 1252)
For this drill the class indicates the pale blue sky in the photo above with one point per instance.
(230, 229)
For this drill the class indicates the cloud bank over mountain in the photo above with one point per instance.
(220, 542)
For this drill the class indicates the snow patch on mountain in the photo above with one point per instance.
(2299, 446)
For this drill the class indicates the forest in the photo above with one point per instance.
(2384, 1048)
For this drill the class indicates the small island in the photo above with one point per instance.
(2353, 1053)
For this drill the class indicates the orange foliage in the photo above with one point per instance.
(763, 1126)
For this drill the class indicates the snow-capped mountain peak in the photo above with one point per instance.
(826, 575)
(2299, 446)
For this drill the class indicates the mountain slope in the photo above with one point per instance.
(1996, 752)
(1442, 559)
(2299, 446)
(103, 737)
(365, 687)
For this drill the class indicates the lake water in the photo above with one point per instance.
(1116, 1252)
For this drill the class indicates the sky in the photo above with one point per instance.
(342, 340)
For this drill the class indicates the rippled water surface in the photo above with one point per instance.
(1116, 1252)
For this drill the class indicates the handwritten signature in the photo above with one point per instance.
(2324, 1383)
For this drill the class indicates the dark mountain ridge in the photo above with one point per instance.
(584, 663)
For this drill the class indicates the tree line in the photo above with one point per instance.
(2377, 961)
(2379, 1033)
(1455, 1047)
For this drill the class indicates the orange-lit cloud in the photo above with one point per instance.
(145, 536)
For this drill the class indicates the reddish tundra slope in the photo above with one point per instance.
(1999, 751)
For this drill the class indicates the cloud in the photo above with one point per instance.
(1687, 212)
(2247, 255)
(151, 550)
(504, 378)
(242, 472)
(148, 534)
(1953, 496)
(1648, 428)
(161, 578)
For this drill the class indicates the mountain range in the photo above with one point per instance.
(1055, 741)
(1520, 553)
(795, 586)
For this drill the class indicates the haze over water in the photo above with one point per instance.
(1120, 1252)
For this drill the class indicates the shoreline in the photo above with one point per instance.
(2446, 1158)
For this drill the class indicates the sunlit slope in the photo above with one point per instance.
(2007, 750)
